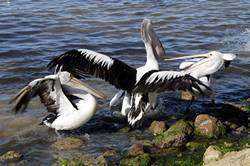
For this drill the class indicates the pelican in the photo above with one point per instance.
(71, 102)
(154, 52)
(203, 66)
(126, 78)
(114, 71)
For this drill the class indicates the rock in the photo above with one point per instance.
(101, 161)
(185, 95)
(231, 125)
(211, 154)
(206, 125)
(177, 135)
(195, 146)
(157, 127)
(88, 160)
(235, 113)
(67, 143)
(236, 107)
(18, 125)
(242, 129)
(124, 130)
(235, 158)
(228, 144)
(11, 156)
(135, 150)
(109, 153)
(141, 160)
(66, 162)
(245, 142)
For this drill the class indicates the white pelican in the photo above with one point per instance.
(203, 66)
(65, 98)
(154, 52)
(125, 77)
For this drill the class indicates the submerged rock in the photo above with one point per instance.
(235, 158)
(109, 153)
(141, 160)
(124, 130)
(101, 161)
(11, 156)
(66, 162)
(177, 135)
(211, 154)
(19, 125)
(157, 127)
(185, 95)
(235, 113)
(206, 125)
(88, 160)
(135, 150)
(67, 143)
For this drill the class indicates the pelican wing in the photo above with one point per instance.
(159, 81)
(139, 105)
(83, 61)
(45, 88)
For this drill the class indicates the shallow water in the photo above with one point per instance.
(32, 33)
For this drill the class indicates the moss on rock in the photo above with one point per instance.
(67, 143)
(157, 127)
(142, 160)
(176, 136)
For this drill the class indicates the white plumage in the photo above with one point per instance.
(203, 66)
(70, 101)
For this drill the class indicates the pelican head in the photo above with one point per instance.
(226, 57)
(68, 79)
(149, 36)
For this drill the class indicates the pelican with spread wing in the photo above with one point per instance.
(70, 102)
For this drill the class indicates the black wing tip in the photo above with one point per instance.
(56, 60)
(196, 84)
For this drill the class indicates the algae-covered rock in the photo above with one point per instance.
(124, 130)
(235, 158)
(11, 156)
(212, 154)
(101, 161)
(109, 153)
(237, 107)
(195, 146)
(157, 127)
(87, 160)
(135, 150)
(206, 125)
(245, 142)
(235, 113)
(141, 160)
(66, 162)
(242, 129)
(177, 135)
(67, 143)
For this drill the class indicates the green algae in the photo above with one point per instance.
(141, 160)
(176, 136)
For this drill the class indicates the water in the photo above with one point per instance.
(33, 32)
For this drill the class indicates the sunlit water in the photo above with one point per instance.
(33, 32)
